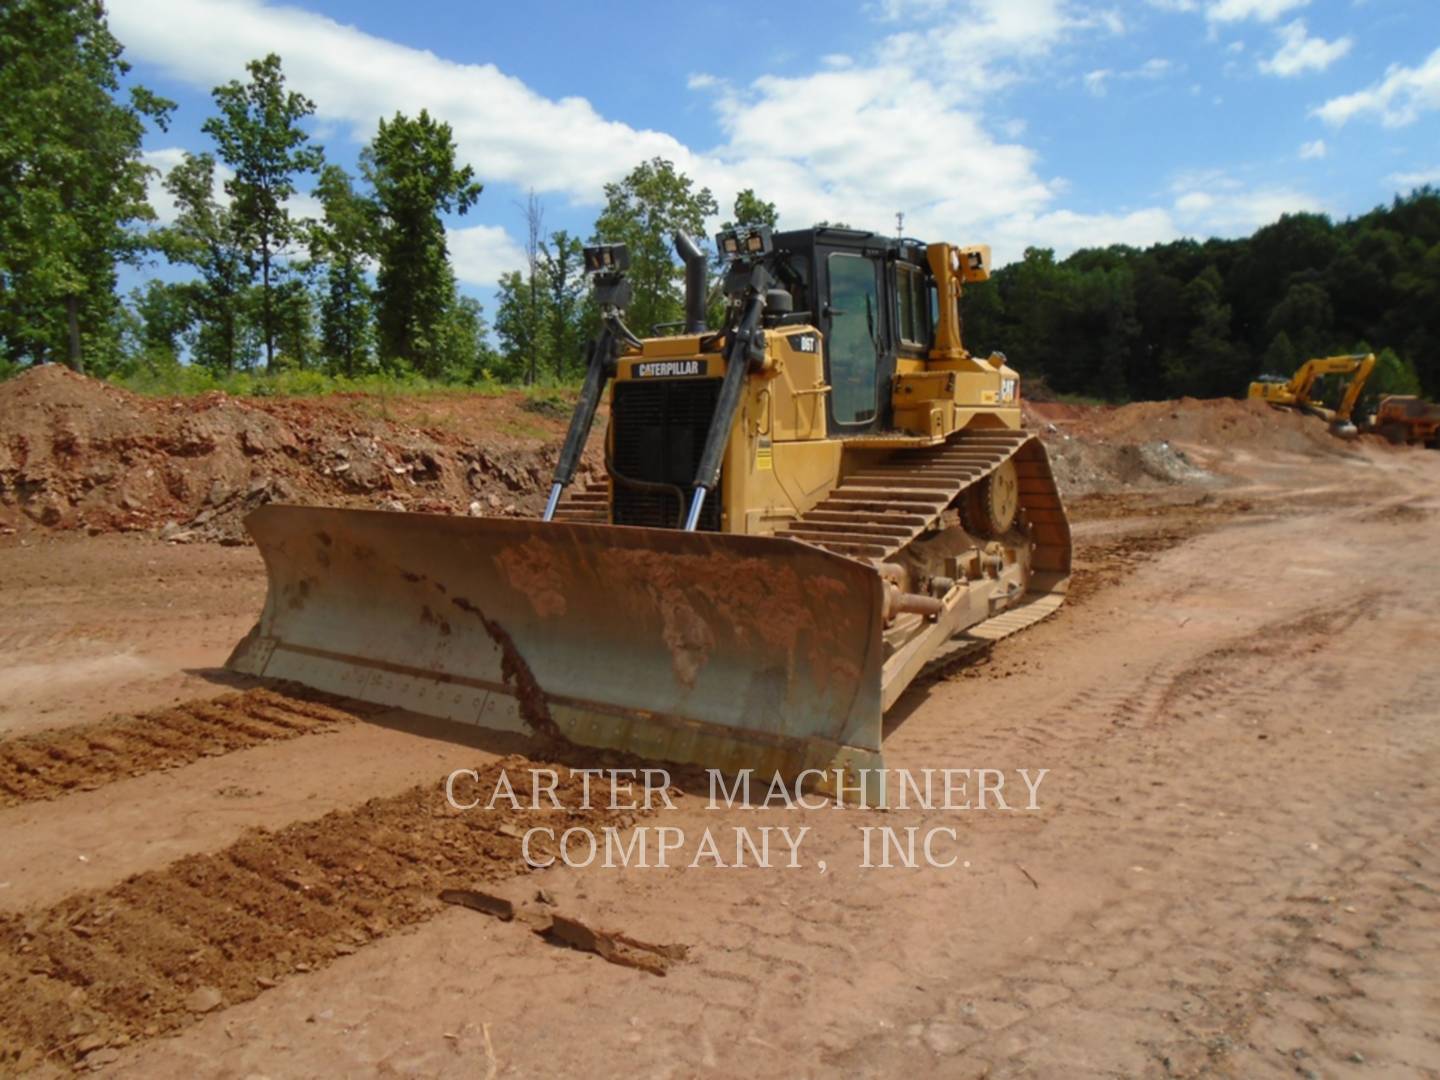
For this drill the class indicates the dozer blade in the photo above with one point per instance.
(725, 651)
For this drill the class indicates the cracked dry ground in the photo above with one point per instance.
(1234, 869)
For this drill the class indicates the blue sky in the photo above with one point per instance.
(1055, 123)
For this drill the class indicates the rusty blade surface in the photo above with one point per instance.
(728, 651)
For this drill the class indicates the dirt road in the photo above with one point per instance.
(1233, 867)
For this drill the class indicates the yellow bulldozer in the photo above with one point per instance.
(1301, 391)
(802, 510)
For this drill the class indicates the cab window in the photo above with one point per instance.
(853, 337)
(912, 306)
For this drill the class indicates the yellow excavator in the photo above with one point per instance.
(803, 509)
(1300, 391)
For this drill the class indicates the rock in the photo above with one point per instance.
(102, 1057)
(89, 1043)
(493, 500)
(204, 999)
(81, 1025)
(394, 505)
(253, 442)
(476, 510)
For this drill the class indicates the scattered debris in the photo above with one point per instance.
(616, 948)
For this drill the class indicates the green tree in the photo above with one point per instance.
(750, 209)
(517, 325)
(467, 356)
(203, 237)
(258, 136)
(1210, 367)
(1304, 314)
(643, 211)
(340, 243)
(1279, 358)
(560, 269)
(1393, 374)
(411, 166)
(72, 182)
(165, 317)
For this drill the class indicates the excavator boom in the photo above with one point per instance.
(1298, 392)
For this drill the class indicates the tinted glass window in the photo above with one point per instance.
(911, 303)
(854, 338)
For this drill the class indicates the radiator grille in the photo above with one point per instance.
(660, 428)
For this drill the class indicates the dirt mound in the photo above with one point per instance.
(1108, 448)
(1220, 423)
(81, 454)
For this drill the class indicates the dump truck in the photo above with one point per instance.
(1407, 420)
(801, 511)
(1301, 390)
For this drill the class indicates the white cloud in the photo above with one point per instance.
(895, 10)
(481, 253)
(1019, 26)
(812, 138)
(1398, 99)
(822, 165)
(1154, 68)
(1299, 52)
(502, 127)
(1415, 179)
(1066, 231)
(1222, 11)
(1095, 81)
(1212, 203)
(1312, 150)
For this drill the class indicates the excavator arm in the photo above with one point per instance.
(1296, 393)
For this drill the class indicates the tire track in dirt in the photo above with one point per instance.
(53, 763)
(1287, 958)
(99, 970)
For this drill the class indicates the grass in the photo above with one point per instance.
(188, 380)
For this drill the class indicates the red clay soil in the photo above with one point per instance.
(1213, 422)
(80, 454)
(77, 453)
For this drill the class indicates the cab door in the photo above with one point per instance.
(853, 322)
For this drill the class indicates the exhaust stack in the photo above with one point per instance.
(695, 283)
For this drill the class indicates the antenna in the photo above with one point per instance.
(899, 224)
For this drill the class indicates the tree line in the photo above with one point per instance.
(367, 285)
(1204, 318)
